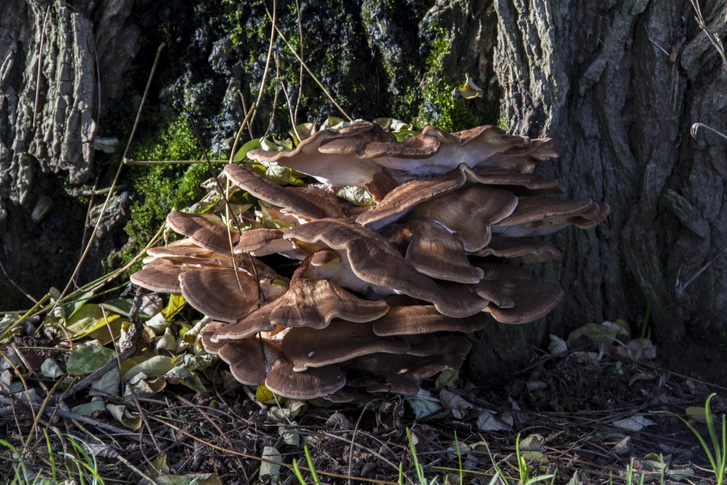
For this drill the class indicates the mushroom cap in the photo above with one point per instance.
(531, 298)
(438, 253)
(375, 261)
(407, 196)
(301, 202)
(307, 303)
(544, 215)
(254, 240)
(522, 250)
(332, 165)
(161, 275)
(185, 249)
(206, 337)
(422, 319)
(519, 183)
(469, 212)
(219, 294)
(250, 360)
(481, 146)
(339, 342)
(204, 229)
(308, 384)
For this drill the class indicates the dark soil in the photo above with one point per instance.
(568, 405)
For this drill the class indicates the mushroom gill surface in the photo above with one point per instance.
(381, 296)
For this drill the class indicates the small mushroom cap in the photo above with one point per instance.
(205, 230)
(256, 321)
(544, 215)
(422, 345)
(339, 342)
(298, 201)
(332, 165)
(254, 240)
(308, 384)
(532, 298)
(421, 319)
(438, 253)
(219, 294)
(162, 276)
(185, 249)
(206, 337)
(375, 261)
(250, 359)
(481, 146)
(407, 196)
(522, 250)
(519, 183)
(469, 212)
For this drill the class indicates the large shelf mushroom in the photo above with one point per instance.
(383, 294)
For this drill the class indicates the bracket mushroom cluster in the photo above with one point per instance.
(381, 296)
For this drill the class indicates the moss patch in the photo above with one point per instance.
(160, 188)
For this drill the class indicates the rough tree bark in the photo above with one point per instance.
(50, 104)
(618, 85)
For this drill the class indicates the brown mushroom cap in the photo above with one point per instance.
(205, 230)
(299, 201)
(532, 298)
(185, 249)
(522, 250)
(162, 276)
(481, 146)
(438, 253)
(308, 384)
(307, 303)
(339, 342)
(469, 212)
(544, 215)
(407, 196)
(250, 360)
(219, 294)
(206, 337)
(519, 183)
(421, 319)
(375, 261)
(331, 166)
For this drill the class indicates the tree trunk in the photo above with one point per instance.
(618, 85)
(50, 104)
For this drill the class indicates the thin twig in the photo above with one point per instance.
(264, 460)
(300, 79)
(27, 295)
(696, 126)
(270, 54)
(290, 47)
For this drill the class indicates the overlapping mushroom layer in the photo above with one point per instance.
(383, 293)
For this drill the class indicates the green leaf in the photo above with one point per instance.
(87, 319)
(242, 152)
(358, 196)
(152, 367)
(87, 359)
(51, 369)
(107, 384)
(95, 405)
